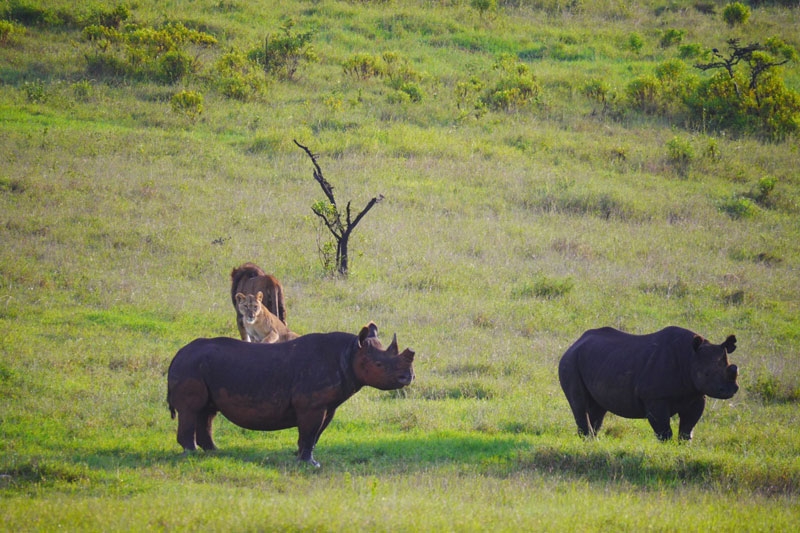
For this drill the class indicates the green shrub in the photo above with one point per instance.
(516, 89)
(672, 37)
(174, 65)
(738, 207)
(364, 66)
(680, 154)
(690, 51)
(10, 33)
(237, 77)
(143, 52)
(736, 13)
(282, 54)
(35, 91)
(761, 193)
(643, 93)
(82, 90)
(635, 42)
(189, 103)
(483, 6)
(769, 109)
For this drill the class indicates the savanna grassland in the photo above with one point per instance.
(547, 167)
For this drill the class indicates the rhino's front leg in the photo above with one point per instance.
(309, 426)
(658, 416)
(689, 416)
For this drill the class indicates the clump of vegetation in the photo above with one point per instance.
(672, 37)
(543, 287)
(189, 103)
(396, 71)
(10, 33)
(680, 154)
(283, 54)
(736, 13)
(516, 89)
(738, 207)
(761, 193)
(237, 77)
(143, 52)
(748, 95)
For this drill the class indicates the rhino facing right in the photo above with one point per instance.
(652, 376)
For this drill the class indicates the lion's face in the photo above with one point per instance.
(249, 306)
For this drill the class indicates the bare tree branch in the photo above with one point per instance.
(332, 218)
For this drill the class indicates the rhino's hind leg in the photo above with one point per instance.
(204, 430)
(187, 423)
(582, 405)
(595, 414)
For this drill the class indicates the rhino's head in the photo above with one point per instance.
(712, 374)
(381, 368)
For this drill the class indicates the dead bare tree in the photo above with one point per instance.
(341, 228)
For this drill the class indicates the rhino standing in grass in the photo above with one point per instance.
(299, 383)
(651, 376)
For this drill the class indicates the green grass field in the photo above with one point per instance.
(503, 235)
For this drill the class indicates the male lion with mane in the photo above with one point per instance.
(259, 323)
(250, 279)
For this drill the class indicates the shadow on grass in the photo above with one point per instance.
(481, 454)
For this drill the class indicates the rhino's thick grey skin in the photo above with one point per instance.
(266, 387)
(652, 376)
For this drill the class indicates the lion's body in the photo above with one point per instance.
(250, 279)
(259, 323)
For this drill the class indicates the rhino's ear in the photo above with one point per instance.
(240, 297)
(730, 343)
(370, 330)
(259, 296)
(697, 342)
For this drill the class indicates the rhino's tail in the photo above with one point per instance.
(169, 403)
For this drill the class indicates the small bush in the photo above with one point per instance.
(82, 90)
(10, 33)
(672, 37)
(643, 93)
(736, 13)
(282, 54)
(174, 65)
(761, 192)
(189, 103)
(690, 51)
(364, 66)
(35, 91)
(635, 43)
(738, 207)
(237, 77)
(680, 154)
(517, 87)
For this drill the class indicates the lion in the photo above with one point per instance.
(249, 279)
(259, 323)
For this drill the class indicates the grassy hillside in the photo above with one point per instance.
(528, 197)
